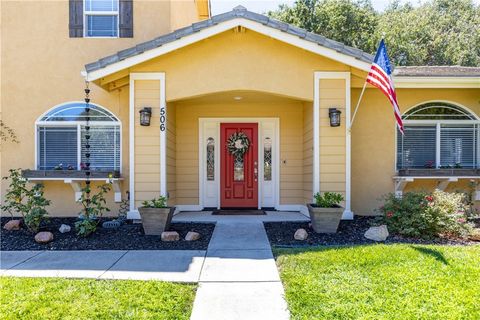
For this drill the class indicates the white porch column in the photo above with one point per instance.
(347, 214)
(161, 114)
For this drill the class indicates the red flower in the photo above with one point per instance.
(429, 198)
(389, 214)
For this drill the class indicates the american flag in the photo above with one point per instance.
(380, 76)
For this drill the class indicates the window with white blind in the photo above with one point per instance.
(438, 135)
(61, 139)
(101, 18)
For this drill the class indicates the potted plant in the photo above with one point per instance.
(156, 216)
(326, 212)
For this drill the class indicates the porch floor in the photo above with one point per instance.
(270, 216)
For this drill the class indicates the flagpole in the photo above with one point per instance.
(361, 96)
(358, 104)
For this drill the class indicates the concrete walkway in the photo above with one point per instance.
(239, 278)
(237, 275)
(164, 265)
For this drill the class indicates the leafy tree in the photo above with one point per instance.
(437, 32)
(352, 22)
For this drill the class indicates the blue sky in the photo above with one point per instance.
(261, 6)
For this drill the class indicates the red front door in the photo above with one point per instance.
(239, 175)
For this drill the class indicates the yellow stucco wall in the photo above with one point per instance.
(239, 61)
(40, 68)
(290, 114)
(373, 141)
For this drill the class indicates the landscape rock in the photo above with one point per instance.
(379, 233)
(170, 236)
(192, 236)
(44, 237)
(13, 225)
(301, 234)
(64, 228)
(475, 236)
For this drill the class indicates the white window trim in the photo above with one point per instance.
(77, 124)
(437, 123)
(100, 13)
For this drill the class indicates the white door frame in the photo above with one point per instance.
(275, 156)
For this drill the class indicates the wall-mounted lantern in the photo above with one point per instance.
(145, 115)
(334, 115)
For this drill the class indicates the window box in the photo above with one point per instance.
(69, 174)
(444, 172)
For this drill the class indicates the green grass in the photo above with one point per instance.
(50, 298)
(382, 282)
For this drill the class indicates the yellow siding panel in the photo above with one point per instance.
(332, 139)
(147, 142)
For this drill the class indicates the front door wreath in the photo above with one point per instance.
(238, 144)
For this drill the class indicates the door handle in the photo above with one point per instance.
(255, 170)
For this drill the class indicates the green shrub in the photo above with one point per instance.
(328, 199)
(30, 202)
(93, 209)
(160, 202)
(426, 215)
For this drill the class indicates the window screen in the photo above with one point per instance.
(458, 146)
(101, 18)
(417, 147)
(57, 146)
(104, 147)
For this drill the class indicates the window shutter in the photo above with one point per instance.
(75, 24)
(126, 18)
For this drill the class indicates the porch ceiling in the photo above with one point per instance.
(238, 96)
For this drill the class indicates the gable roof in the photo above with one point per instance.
(239, 16)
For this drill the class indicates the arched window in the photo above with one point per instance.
(438, 135)
(61, 138)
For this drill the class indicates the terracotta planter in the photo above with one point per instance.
(156, 220)
(325, 220)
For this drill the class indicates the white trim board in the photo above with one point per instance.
(133, 213)
(436, 82)
(318, 75)
(217, 29)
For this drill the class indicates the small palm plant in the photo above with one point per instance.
(328, 199)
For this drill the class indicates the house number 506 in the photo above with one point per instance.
(162, 119)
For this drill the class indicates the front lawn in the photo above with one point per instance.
(398, 281)
(53, 298)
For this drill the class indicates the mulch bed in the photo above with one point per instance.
(128, 237)
(350, 232)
